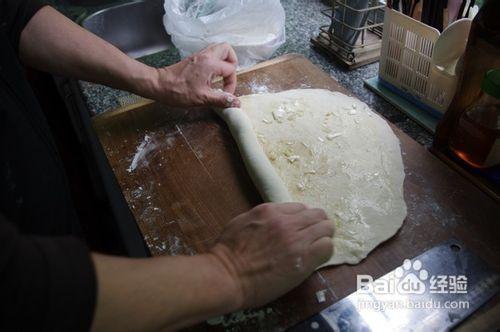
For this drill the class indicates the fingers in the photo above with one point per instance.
(220, 99)
(321, 248)
(225, 52)
(284, 208)
(227, 66)
(228, 73)
(310, 217)
(215, 61)
(320, 251)
(230, 82)
(231, 56)
(301, 216)
(321, 229)
(291, 208)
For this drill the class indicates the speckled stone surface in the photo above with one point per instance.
(303, 19)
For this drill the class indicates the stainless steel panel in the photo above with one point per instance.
(136, 28)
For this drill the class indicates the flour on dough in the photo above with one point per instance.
(331, 151)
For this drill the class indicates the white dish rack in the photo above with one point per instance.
(406, 67)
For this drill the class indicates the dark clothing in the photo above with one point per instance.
(47, 279)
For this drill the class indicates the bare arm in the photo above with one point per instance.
(161, 293)
(50, 42)
(260, 255)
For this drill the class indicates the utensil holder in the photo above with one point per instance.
(406, 67)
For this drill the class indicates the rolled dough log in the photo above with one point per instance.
(328, 150)
(265, 178)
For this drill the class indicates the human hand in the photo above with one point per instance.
(189, 82)
(272, 249)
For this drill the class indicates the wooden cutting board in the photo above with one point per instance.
(189, 181)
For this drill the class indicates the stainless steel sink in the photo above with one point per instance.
(136, 28)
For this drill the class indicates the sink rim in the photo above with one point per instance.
(100, 11)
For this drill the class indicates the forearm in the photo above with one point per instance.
(52, 43)
(161, 293)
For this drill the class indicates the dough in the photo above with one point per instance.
(263, 174)
(327, 150)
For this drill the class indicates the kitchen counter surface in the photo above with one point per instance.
(303, 19)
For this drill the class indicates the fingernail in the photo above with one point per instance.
(229, 100)
(234, 102)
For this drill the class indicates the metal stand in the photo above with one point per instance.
(354, 35)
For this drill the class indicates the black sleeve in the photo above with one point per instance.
(15, 14)
(46, 284)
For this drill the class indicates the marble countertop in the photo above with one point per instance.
(303, 19)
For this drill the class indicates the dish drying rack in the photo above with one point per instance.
(354, 34)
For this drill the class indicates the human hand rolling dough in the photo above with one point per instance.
(273, 248)
(189, 82)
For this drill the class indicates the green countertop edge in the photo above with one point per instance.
(420, 116)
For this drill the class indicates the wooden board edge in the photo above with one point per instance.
(114, 112)
(474, 179)
(273, 61)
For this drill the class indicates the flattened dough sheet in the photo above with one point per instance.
(327, 150)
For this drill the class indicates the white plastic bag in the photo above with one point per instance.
(254, 28)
